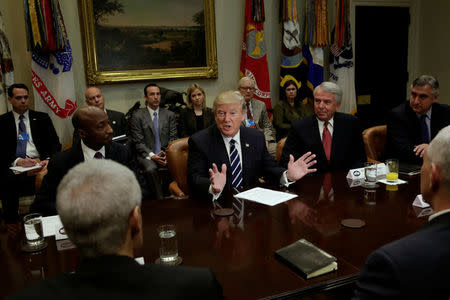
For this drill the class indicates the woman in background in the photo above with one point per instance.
(196, 116)
(289, 109)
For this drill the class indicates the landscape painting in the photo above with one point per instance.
(148, 39)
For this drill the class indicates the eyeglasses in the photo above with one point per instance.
(247, 89)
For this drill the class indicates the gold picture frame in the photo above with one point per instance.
(95, 74)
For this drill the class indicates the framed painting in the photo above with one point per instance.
(148, 39)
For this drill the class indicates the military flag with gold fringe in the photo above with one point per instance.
(253, 54)
(51, 68)
(341, 57)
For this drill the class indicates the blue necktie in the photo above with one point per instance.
(424, 129)
(236, 170)
(21, 150)
(157, 147)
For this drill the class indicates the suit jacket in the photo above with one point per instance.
(347, 148)
(207, 147)
(261, 119)
(120, 277)
(403, 130)
(143, 133)
(414, 267)
(118, 122)
(188, 124)
(42, 131)
(61, 163)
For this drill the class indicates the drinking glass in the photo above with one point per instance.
(392, 170)
(33, 230)
(168, 251)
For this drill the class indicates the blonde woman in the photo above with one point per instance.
(196, 116)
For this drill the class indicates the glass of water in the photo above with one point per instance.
(370, 172)
(168, 250)
(33, 230)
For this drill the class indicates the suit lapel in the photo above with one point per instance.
(221, 154)
(33, 124)
(317, 140)
(337, 138)
(148, 119)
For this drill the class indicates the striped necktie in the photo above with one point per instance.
(21, 150)
(236, 169)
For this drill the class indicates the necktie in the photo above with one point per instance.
(326, 141)
(249, 113)
(424, 129)
(236, 170)
(157, 146)
(21, 150)
(98, 155)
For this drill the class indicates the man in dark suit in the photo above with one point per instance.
(99, 205)
(151, 141)
(29, 139)
(411, 125)
(227, 155)
(418, 265)
(334, 137)
(91, 124)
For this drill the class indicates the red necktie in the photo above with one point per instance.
(326, 140)
(249, 113)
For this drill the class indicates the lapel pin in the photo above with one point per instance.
(114, 122)
(247, 145)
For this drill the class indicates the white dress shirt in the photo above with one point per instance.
(89, 153)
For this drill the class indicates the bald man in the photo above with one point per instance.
(92, 126)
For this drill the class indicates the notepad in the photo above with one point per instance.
(307, 259)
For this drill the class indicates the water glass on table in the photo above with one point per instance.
(392, 170)
(168, 251)
(34, 233)
(370, 172)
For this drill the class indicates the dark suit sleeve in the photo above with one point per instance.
(379, 278)
(198, 174)
(359, 151)
(401, 137)
(52, 137)
(292, 146)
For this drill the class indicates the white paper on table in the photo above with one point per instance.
(419, 202)
(140, 260)
(20, 169)
(49, 224)
(60, 233)
(398, 181)
(356, 174)
(265, 196)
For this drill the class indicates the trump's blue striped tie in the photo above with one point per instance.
(236, 169)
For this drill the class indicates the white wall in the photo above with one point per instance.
(434, 46)
(229, 30)
(432, 36)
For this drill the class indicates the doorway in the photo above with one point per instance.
(381, 61)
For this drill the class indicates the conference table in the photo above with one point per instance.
(240, 248)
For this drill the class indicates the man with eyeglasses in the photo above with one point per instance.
(334, 137)
(229, 155)
(414, 123)
(256, 114)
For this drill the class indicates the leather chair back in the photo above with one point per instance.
(177, 156)
(280, 146)
(375, 142)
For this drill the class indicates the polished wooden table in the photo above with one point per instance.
(240, 248)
